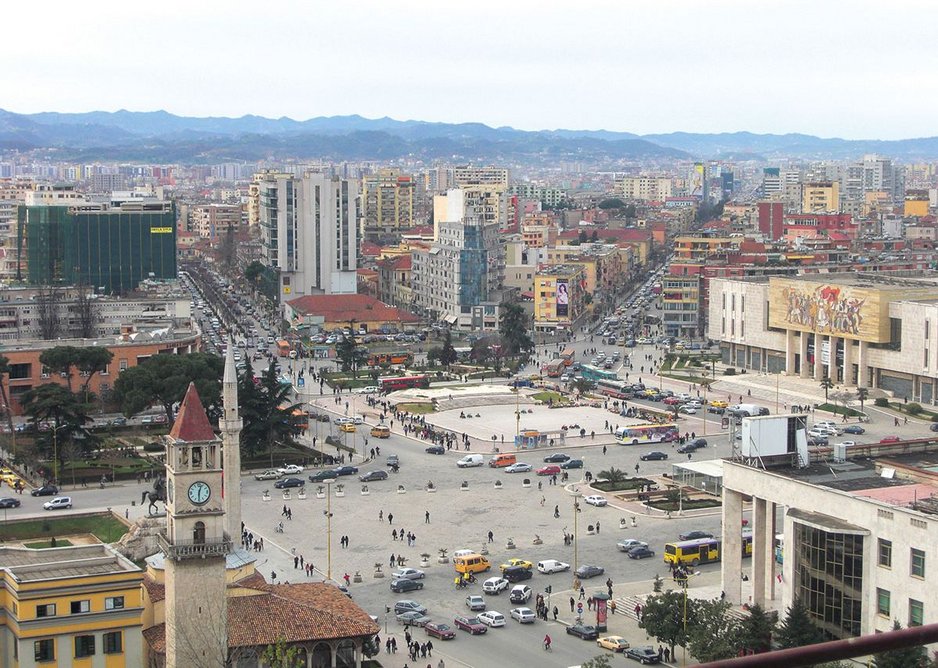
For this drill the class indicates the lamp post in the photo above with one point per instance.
(576, 533)
(328, 482)
(684, 584)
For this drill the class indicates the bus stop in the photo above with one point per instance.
(530, 439)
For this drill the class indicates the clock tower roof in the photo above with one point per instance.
(192, 423)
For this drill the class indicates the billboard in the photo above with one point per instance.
(563, 299)
(697, 180)
(827, 308)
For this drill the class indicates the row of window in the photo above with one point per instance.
(85, 645)
(884, 607)
(80, 607)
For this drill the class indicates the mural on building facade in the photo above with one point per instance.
(826, 309)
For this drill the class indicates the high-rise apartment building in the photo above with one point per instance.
(309, 232)
(820, 197)
(211, 221)
(387, 205)
(485, 190)
(644, 188)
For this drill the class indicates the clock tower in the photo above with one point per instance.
(195, 544)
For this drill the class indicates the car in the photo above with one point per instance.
(45, 490)
(615, 643)
(812, 440)
(552, 469)
(118, 422)
(847, 443)
(523, 615)
(358, 419)
(474, 602)
(890, 439)
(435, 450)
(344, 470)
(393, 460)
(58, 502)
(627, 544)
(572, 464)
(520, 594)
(348, 428)
(413, 618)
(673, 401)
(494, 586)
(519, 467)
(370, 389)
(687, 409)
(589, 571)
(371, 476)
(291, 469)
(287, 483)
(342, 420)
(322, 476)
(857, 429)
(695, 534)
(470, 624)
(439, 630)
(9, 502)
(595, 500)
(492, 618)
(405, 584)
(690, 446)
(556, 458)
(408, 574)
(409, 606)
(515, 561)
(644, 655)
(269, 474)
(719, 410)
(654, 455)
(552, 566)
(516, 574)
(719, 404)
(641, 552)
(933, 427)
(583, 631)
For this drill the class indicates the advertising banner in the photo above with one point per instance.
(563, 299)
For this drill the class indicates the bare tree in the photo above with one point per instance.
(87, 311)
(47, 304)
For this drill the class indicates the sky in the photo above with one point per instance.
(857, 70)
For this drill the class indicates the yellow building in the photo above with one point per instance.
(696, 249)
(820, 197)
(70, 606)
(916, 204)
(387, 204)
(559, 296)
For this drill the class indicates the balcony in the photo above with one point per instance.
(190, 549)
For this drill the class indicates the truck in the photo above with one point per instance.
(283, 348)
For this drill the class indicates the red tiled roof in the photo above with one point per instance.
(155, 590)
(155, 638)
(192, 423)
(369, 248)
(342, 308)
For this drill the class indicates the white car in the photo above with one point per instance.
(358, 419)
(494, 585)
(687, 409)
(596, 500)
(552, 566)
(627, 544)
(520, 467)
(827, 430)
(58, 502)
(408, 574)
(847, 443)
(290, 469)
(371, 389)
(492, 618)
(523, 615)
(269, 474)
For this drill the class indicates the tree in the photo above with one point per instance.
(907, 657)
(87, 311)
(798, 628)
(228, 249)
(48, 299)
(712, 634)
(279, 655)
(92, 360)
(663, 617)
(613, 475)
(600, 661)
(5, 371)
(862, 394)
(513, 327)
(826, 384)
(163, 379)
(582, 385)
(268, 414)
(582, 237)
(60, 360)
(611, 203)
(350, 354)
(253, 272)
(448, 354)
(756, 630)
(57, 414)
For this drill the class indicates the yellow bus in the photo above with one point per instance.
(700, 551)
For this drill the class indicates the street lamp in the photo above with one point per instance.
(685, 581)
(328, 482)
(576, 533)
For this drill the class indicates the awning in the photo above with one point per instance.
(451, 319)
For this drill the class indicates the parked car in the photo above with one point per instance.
(408, 574)
(287, 483)
(474, 602)
(45, 490)
(9, 502)
(552, 469)
(647, 655)
(439, 630)
(58, 503)
(615, 643)
(523, 615)
(552, 566)
(344, 470)
(556, 458)
(627, 544)
(470, 624)
(520, 467)
(322, 476)
(641, 552)
(409, 606)
(371, 476)
(654, 455)
(269, 474)
(857, 429)
(290, 469)
(495, 586)
(595, 500)
(413, 619)
(690, 446)
(589, 571)
(583, 631)
(520, 594)
(492, 618)
(572, 464)
(402, 585)
(890, 439)
(695, 534)
(435, 450)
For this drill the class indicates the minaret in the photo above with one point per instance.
(231, 447)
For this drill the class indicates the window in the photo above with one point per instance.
(916, 612)
(918, 563)
(84, 646)
(114, 603)
(79, 607)
(882, 602)
(885, 553)
(113, 643)
(47, 610)
(44, 650)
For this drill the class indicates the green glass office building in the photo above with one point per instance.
(115, 248)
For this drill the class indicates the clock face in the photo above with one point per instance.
(199, 493)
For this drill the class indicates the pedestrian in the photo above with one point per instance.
(387, 645)
(597, 526)
(667, 654)
(589, 603)
(557, 612)
(380, 515)
(430, 648)
(612, 607)
(604, 447)
(394, 645)
(426, 516)
(390, 518)
(582, 592)
(491, 537)
(572, 603)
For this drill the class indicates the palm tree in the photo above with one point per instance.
(862, 394)
(5, 370)
(613, 475)
(827, 384)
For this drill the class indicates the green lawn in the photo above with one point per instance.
(625, 485)
(689, 504)
(106, 527)
(45, 544)
(546, 396)
(839, 410)
(418, 408)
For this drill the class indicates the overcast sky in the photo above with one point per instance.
(858, 69)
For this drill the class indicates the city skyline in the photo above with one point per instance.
(793, 68)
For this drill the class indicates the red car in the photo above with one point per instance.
(441, 631)
(553, 469)
(470, 624)
(671, 401)
(890, 439)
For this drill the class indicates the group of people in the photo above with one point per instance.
(418, 649)
(249, 542)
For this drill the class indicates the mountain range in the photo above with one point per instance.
(164, 137)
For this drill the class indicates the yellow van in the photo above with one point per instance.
(501, 461)
(472, 563)
(349, 427)
(381, 431)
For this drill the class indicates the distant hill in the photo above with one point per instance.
(162, 136)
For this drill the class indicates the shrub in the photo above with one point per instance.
(729, 371)
(914, 409)
(882, 402)
(153, 446)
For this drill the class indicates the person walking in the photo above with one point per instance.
(426, 517)
(572, 603)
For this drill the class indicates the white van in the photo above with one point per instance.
(748, 410)
(470, 461)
